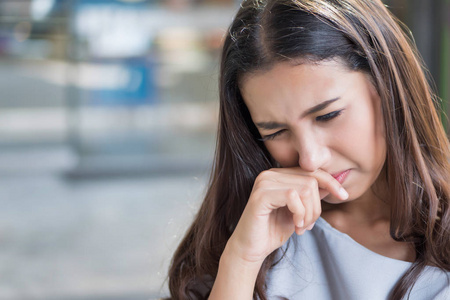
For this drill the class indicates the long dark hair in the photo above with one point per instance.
(367, 38)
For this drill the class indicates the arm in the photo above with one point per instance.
(235, 279)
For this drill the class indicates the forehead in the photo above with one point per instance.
(336, 63)
(309, 82)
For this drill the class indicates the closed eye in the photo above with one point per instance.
(324, 118)
(271, 136)
(329, 116)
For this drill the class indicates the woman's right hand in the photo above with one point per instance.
(282, 201)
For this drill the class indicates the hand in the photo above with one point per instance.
(282, 201)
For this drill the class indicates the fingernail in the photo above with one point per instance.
(300, 231)
(343, 193)
(311, 226)
(301, 224)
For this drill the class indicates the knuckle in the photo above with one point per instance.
(291, 193)
(312, 182)
(265, 179)
(307, 192)
(265, 174)
(256, 194)
(263, 183)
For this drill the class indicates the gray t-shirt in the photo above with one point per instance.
(325, 263)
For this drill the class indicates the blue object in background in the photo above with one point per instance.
(136, 87)
(117, 39)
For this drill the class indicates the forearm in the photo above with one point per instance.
(235, 278)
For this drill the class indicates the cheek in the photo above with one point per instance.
(283, 153)
(366, 135)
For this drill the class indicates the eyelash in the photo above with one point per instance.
(271, 136)
(329, 116)
(325, 118)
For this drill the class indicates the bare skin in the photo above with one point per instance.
(369, 228)
(372, 235)
(323, 125)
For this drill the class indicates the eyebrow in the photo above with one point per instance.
(312, 110)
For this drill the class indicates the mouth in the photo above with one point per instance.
(341, 176)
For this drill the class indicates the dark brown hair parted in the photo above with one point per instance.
(367, 38)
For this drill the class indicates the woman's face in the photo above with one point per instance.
(320, 116)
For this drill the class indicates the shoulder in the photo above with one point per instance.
(433, 283)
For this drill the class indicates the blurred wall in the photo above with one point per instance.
(118, 82)
(429, 22)
(108, 113)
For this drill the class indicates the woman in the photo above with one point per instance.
(328, 129)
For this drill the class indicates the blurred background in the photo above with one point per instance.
(108, 112)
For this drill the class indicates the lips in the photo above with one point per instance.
(341, 176)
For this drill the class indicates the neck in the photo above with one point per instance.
(371, 207)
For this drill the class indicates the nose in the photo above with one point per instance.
(313, 152)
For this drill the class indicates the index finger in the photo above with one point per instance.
(327, 183)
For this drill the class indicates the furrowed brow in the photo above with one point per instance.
(269, 125)
(319, 107)
(312, 110)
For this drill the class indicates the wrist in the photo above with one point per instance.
(232, 255)
(248, 255)
(236, 277)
